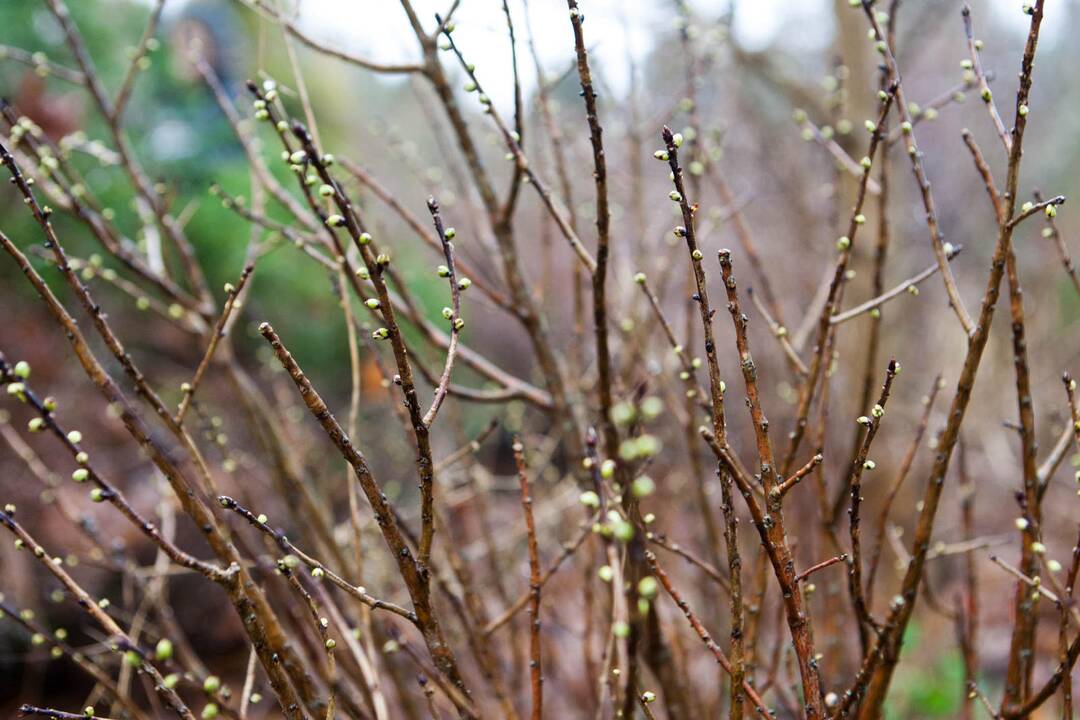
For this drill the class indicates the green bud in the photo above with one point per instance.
(624, 531)
(643, 486)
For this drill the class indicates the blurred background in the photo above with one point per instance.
(763, 61)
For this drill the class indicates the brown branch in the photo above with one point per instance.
(319, 568)
(688, 231)
(677, 549)
(535, 666)
(119, 641)
(710, 644)
(731, 538)
(416, 581)
(854, 482)
(902, 472)
(798, 618)
(907, 127)
(820, 566)
(218, 333)
(568, 549)
(1054, 233)
(783, 488)
(27, 710)
(980, 76)
(456, 321)
(909, 286)
(266, 10)
(834, 292)
(135, 64)
(881, 675)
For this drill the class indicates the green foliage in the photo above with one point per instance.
(922, 691)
